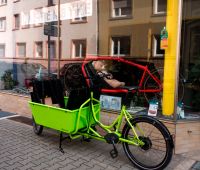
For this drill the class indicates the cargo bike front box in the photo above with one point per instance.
(75, 113)
(64, 120)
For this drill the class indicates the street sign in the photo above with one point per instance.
(50, 30)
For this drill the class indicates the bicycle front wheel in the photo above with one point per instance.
(156, 152)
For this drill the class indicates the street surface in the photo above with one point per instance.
(21, 149)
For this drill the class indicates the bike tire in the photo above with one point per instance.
(37, 128)
(149, 83)
(147, 157)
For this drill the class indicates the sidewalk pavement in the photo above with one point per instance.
(21, 149)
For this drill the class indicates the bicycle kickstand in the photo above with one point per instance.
(60, 143)
(114, 152)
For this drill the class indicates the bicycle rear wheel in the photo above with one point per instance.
(37, 128)
(157, 150)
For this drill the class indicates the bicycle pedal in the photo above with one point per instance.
(114, 153)
(86, 139)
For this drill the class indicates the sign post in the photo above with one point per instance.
(59, 34)
(50, 3)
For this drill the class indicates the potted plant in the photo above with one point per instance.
(8, 80)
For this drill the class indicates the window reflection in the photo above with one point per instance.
(190, 57)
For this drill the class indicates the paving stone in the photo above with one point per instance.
(3, 165)
(14, 166)
(68, 167)
(41, 166)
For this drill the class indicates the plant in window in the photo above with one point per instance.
(8, 80)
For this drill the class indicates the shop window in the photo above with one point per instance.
(159, 6)
(120, 46)
(190, 59)
(121, 8)
(2, 50)
(3, 2)
(38, 50)
(79, 48)
(21, 50)
(3, 24)
(16, 21)
(157, 52)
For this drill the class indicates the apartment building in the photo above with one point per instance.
(22, 41)
(131, 28)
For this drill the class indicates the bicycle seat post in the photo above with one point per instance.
(131, 91)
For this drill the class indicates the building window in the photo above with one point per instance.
(121, 8)
(3, 2)
(79, 48)
(120, 46)
(38, 17)
(52, 49)
(16, 21)
(21, 50)
(38, 51)
(159, 6)
(2, 50)
(3, 24)
(157, 52)
(79, 20)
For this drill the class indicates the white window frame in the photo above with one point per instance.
(80, 48)
(120, 11)
(17, 49)
(3, 2)
(155, 43)
(15, 25)
(35, 49)
(118, 46)
(3, 20)
(4, 49)
(155, 8)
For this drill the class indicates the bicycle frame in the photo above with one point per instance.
(91, 133)
(146, 72)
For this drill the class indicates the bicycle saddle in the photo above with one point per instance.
(130, 88)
